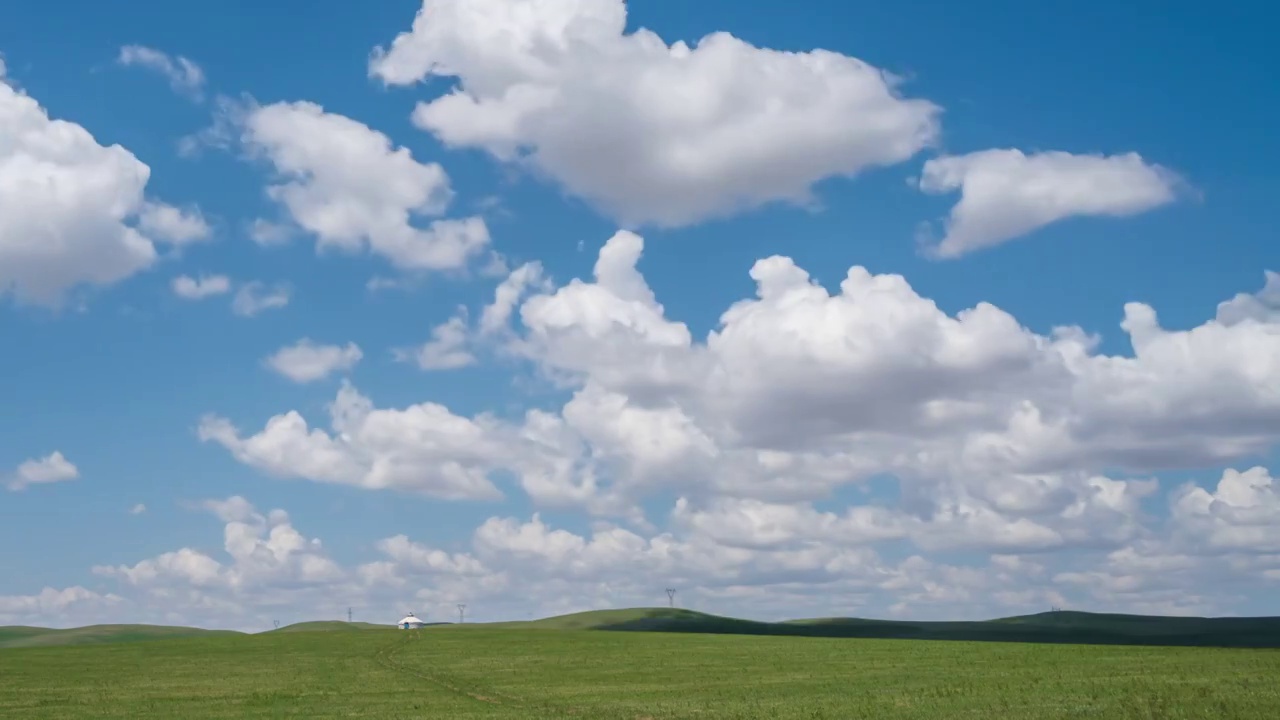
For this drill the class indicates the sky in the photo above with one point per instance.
(914, 311)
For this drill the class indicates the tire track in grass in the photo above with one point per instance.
(385, 657)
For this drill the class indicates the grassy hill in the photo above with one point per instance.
(330, 626)
(18, 637)
(19, 632)
(1051, 627)
(663, 618)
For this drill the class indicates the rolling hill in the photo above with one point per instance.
(1051, 627)
(17, 636)
(330, 626)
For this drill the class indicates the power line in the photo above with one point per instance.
(671, 597)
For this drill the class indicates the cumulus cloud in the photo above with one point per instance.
(1240, 514)
(255, 297)
(347, 185)
(52, 603)
(453, 343)
(446, 350)
(199, 288)
(702, 131)
(423, 448)
(1262, 306)
(172, 224)
(1005, 194)
(88, 222)
(138, 509)
(511, 568)
(735, 557)
(51, 468)
(305, 361)
(1000, 439)
(263, 552)
(1216, 546)
(185, 77)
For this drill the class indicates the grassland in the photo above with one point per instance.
(542, 670)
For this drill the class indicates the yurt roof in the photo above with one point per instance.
(408, 619)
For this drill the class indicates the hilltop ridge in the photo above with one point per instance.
(329, 626)
(18, 636)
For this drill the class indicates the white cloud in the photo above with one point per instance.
(1241, 514)
(446, 350)
(702, 132)
(742, 557)
(380, 283)
(1035, 448)
(51, 468)
(87, 222)
(424, 448)
(876, 375)
(346, 184)
(270, 234)
(508, 295)
(1216, 545)
(1005, 194)
(189, 288)
(185, 76)
(138, 509)
(262, 550)
(1262, 306)
(50, 602)
(254, 297)
(998, 436)
(172, 224)
(453, 342)
(305, 361)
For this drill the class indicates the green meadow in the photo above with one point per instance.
(573, 667)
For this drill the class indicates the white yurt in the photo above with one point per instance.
(409, 622)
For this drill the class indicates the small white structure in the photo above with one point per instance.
(409, 622)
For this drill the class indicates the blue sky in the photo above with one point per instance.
(121, 376)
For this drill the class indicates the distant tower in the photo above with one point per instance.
(348, 614)
(671, 597)
(462, 609)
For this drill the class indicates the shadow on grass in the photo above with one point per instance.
(1050, 627)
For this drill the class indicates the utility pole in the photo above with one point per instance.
(671, 597)
(348, 614)
(462, 609)
(277, 623)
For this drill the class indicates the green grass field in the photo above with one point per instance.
(544, 670)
